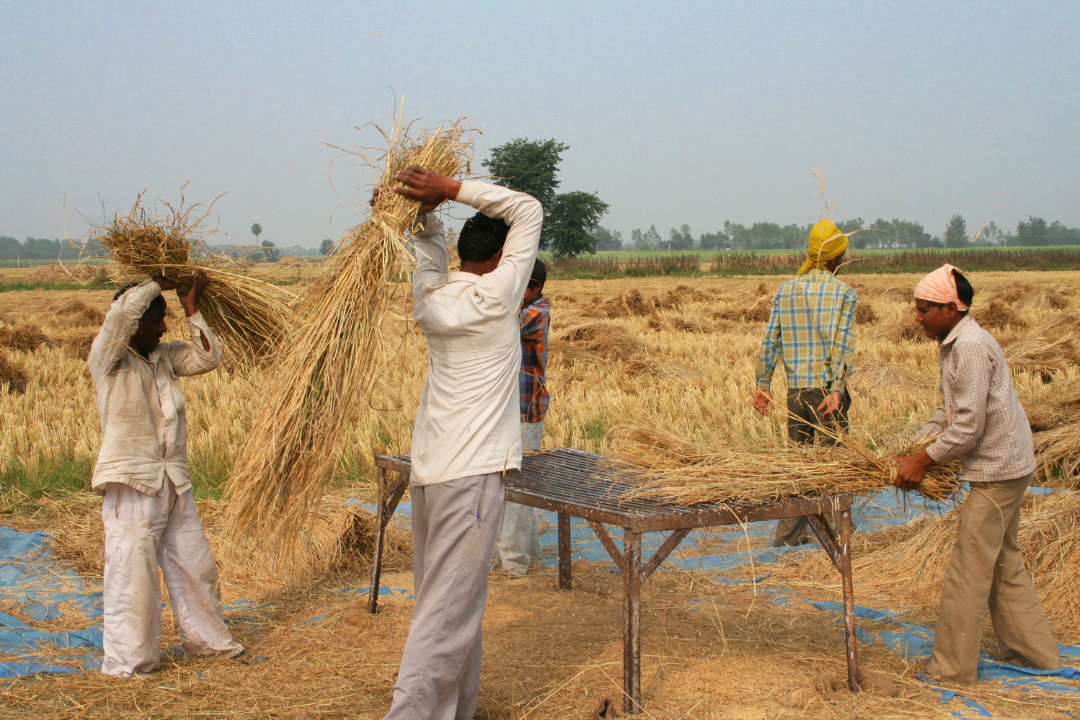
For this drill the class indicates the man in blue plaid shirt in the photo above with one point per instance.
(519, 540)
(812, 328)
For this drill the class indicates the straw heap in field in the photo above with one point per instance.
(12, 374)
(246, 314)
(907, 564)
(329, 365)
(677, 470)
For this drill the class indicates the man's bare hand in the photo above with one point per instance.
(165, 283)
(190, 299)
(763, 401)
(429, 187)
(911, 470)
(830, 405)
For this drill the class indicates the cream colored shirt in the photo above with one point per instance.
(140, 401)
(980, 418)
(468, 421)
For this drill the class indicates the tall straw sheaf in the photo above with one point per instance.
(247, 314)
(323, 376)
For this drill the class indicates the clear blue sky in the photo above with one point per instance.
(674, 112)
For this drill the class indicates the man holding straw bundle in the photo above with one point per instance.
(980, 421)
(149, 512)
(812, 329)
(467, 430)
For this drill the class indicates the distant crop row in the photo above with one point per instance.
(751, 263)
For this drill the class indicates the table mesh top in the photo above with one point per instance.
(596, 482)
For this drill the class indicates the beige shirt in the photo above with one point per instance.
(140, 401)
(980, 418)
(468, 421)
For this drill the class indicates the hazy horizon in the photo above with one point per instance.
(674, 113)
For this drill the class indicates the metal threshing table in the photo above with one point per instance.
(574, 483)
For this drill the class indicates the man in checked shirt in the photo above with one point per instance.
(519, 540)
(980, 421)
(812, 328)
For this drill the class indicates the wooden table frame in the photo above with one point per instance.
(567, 482)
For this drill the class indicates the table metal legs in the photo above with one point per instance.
(565, 580)
(632, 623)
(389, 497)
(839, 549)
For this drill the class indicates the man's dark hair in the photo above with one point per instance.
(481, 237)
(964, 291)
(539, 274)
(157, 303)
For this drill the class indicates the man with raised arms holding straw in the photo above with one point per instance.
(467, 431)
(980, 421)
(812, 328)
(149, 512)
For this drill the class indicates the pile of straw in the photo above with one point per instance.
(330, 364)
(864, 314)
(1043, 356)
(997, 316)
(1055, 425)
(81, 313)
(12, 374)
(24, 337)
(247, 314)
(906, 565)
(679, 471)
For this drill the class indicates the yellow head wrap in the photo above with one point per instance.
(826, 243)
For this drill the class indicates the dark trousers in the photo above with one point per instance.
(803, 426)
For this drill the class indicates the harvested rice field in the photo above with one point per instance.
(673, 353)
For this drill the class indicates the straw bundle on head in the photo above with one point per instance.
(245, 313)
(680, 471)
(327, 368)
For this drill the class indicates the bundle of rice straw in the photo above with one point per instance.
(679, 471)
(329, 365)
(245, 313)
(1055, 424)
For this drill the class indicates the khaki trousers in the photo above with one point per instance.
(803, 424)
(986, 571)
(454, 528)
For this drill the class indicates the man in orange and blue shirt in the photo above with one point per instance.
(519, 542)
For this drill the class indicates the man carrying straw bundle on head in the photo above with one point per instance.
(467, 430)
(812, 329)
(149, 512)
(519, 539)
(980, 421)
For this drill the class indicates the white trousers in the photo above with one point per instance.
(145, 534)
(519, 540)
(454, 525)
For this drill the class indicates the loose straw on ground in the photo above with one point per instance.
(246, 314)
(680, 471)
(328, 367)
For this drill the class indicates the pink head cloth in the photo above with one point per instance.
(940, 287)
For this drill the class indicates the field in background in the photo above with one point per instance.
(694, 342)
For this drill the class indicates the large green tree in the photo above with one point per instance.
(572, 219)
(528, 166)
(326, 246)
(955, 232)
(532, 166)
